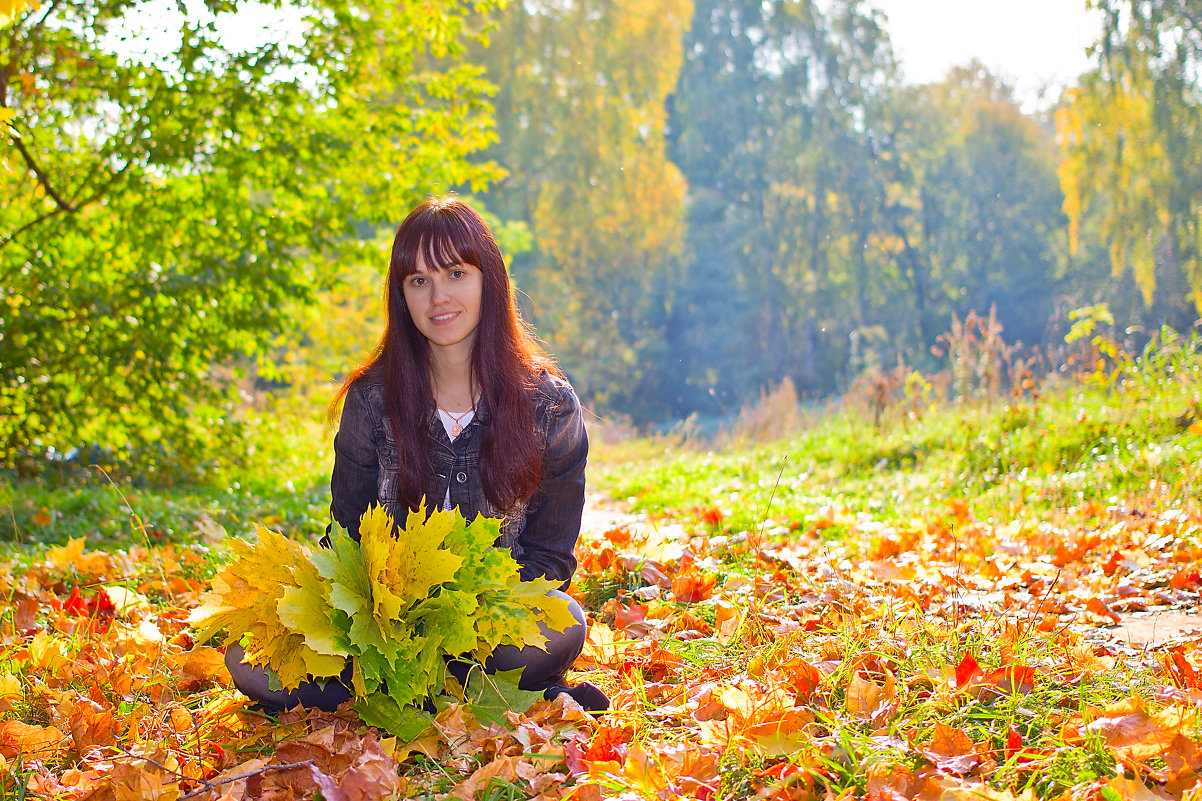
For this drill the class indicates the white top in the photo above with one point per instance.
(448, 422)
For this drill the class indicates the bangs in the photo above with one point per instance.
(441, 242)
(437, 252)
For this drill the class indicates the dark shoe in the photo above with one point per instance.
(584, 693)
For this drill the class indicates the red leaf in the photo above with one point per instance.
(1014, 742)
(631, 617)
(75, 604)
(1012, 678)
(609, 744)
(967, 670)
(1112, 564)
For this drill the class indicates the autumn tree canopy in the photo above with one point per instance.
(1130, 135)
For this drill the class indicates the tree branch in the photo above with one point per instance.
(10, 237)
(43, 179)
(49, 9)
(205, 784)
(5, 241)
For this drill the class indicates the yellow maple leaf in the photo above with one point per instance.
(244, 601)
(402, 571)
(64, 556)
(10, 686)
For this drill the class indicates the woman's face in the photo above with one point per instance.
(445, 304)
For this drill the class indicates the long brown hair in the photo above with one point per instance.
(505, 358)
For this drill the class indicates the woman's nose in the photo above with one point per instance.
(438, 291)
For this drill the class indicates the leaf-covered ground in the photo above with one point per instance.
(810, 619)
(943, 658)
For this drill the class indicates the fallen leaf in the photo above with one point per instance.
(1097, 607)
(28, 741)
(951, 750)
(867, 700)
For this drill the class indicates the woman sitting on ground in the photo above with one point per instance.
(459, 406)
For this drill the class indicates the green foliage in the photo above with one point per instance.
(164, 213)
(397, 603)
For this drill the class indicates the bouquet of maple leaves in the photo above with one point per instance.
(396, 603)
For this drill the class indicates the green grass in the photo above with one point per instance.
(1097, 439)
(288, 489)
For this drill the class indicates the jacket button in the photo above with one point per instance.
(461, 477)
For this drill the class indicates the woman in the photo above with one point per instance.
(458, 406)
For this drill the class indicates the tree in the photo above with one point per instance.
(992, 201)
(769, 125)
(1131, 134)
(580, 117)
(164, 212)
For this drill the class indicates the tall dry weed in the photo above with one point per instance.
(983, 365)
(775, 415)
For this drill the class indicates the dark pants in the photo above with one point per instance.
(542, 668)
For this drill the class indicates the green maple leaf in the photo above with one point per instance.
(342, 566)
(305, 608)
(483, 565)
(452, 615)
(491, 695)
(511, 615)
(403, 721)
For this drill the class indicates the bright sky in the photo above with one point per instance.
(1028, 42)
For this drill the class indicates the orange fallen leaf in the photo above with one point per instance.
(618, 536)
(692, 586)
(198, 667)
(1131, 732)
(951, 750)
(1180, 669)
(867, 700)
(1097, 607)
(26, 741)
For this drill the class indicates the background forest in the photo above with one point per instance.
(699, 200)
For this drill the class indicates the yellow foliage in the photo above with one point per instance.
(402, 572)
(245, 601)
(9, 10)
(1113, 150)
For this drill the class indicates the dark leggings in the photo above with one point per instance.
(542, 668)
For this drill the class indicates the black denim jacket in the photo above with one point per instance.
(542, 535)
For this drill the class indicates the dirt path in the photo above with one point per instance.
(603, 514)
(1153, 628)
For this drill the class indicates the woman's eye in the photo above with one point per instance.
(458, 273)
(417, 280)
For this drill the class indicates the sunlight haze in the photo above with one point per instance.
(1032, 43)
